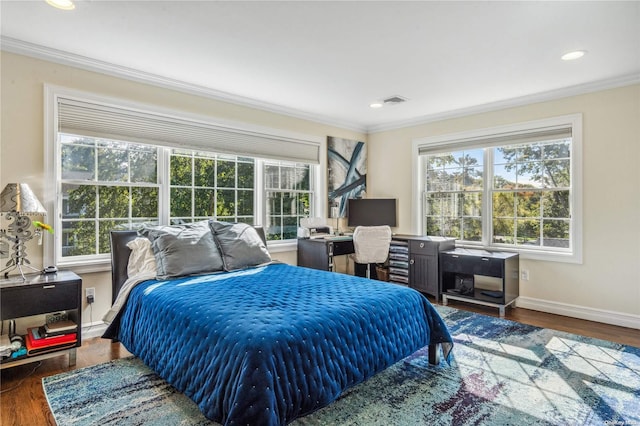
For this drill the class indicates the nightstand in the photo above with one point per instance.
(42, 294)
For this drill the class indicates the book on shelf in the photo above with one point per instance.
(60, 326)
(34, 344)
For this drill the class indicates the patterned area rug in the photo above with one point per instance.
(501, 373)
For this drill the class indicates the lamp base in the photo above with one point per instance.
(18, 267)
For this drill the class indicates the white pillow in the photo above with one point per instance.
(141, 259)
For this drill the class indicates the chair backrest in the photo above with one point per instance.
(371, 243)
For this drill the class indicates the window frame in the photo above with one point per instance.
(52, 251)
(474, 138)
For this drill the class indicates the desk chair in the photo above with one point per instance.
(371, 245)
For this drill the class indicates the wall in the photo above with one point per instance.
(22, 133)
(606, 286)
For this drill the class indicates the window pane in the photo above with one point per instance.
(472, 229)
(504, 231)
(181, 171)
(204, 172)
(303, 181)
(226, 174)
(451, 227)
(78, 201)
(78, 162)
(555, 233)
(529, 175)
(528, 204)
(528, 232)
(113, 164)
(180, 202)
(144, 165)
(472, 204)
(226, 203)
(434, 226)
(144, 202)
(559, 149)
(245, 203)
(246, 172)
(504, 204)
(114, 201)
(272, 177)
(504, 176)
(556, 204)
(557, 173)
(433, 204)
(78, 238)
(104, 228)
(288, 177)
(472, 179)
(204, 202)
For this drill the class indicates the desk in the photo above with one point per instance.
(318, 253)
(414, 259)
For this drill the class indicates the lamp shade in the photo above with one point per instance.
(18, 197)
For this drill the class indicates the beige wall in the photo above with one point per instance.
(605, 287)
(607, 283)
(22, 132)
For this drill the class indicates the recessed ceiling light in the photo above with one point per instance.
(62, 4)
(570, 56)
(376, 105)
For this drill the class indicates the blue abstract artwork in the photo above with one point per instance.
(347, 172)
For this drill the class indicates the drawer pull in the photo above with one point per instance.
(421, 245)
(48, 286)
(455, 256)
(485, 259)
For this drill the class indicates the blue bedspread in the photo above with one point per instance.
(270, 344)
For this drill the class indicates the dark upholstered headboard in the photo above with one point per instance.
(120, 257)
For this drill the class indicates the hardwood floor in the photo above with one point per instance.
(22, 401)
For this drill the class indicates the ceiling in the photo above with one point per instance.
(329, 60)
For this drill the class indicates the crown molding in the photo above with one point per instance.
(36, 51)
(65, 58)
(564, 92)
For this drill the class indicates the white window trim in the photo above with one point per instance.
(451, 141)
(52, 172)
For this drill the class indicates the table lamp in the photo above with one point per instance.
(17, 203)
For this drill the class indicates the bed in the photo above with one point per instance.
(261, 342)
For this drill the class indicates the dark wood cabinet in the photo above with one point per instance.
(42, 294)
(414, 261)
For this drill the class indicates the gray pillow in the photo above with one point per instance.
(183, 249)
(240, 245)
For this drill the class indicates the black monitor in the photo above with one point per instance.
(371, 212)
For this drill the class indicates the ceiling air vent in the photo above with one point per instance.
(394, 100)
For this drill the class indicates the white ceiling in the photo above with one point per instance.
(330, 60)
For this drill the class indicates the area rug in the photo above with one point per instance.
(501, 373)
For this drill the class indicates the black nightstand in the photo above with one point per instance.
(42, 294)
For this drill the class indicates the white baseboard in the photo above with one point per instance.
(582, 312)
(93, 329)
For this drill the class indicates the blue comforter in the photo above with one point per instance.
(269, 344)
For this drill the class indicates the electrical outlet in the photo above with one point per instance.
(524, 275)
(90, 294)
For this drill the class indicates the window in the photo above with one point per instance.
(288, 198)
(515, 188)
(162, 169)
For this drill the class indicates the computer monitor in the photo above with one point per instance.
(371, 212)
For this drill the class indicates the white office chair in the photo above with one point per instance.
(371, 245)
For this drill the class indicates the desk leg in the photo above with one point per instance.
(444, 300)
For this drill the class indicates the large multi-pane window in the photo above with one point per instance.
(109, 184)
(105, 185)
(501, 193)
(288, 198)
(205, 185)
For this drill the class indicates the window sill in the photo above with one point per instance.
(545, 256)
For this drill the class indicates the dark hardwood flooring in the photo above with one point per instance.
(22, 401)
